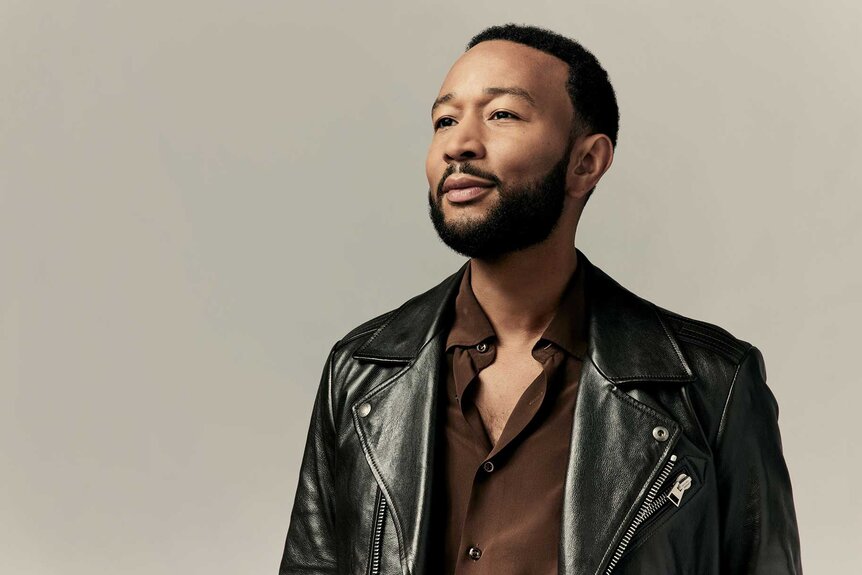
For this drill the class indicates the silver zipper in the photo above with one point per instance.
(682, 483)
(377, 539)
(651, 504)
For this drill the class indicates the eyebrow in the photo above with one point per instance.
(493, 91)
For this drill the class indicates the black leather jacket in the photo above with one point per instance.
(675, 462)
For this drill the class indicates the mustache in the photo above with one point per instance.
(470, 170)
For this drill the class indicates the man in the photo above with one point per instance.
(529, 414)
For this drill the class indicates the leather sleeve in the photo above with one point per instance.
(310, 547)
(759, 533)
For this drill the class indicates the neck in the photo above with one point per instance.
(520, 291)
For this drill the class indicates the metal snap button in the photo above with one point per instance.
(474, 553)
(364, 409)
(660, 433)
(488, 466)
(482, 347)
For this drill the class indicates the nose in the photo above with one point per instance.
(463, 142)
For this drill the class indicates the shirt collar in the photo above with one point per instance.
(471, 325)
(567, 328)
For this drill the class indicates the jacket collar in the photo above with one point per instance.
(628, 341)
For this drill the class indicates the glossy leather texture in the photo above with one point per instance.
(661, 397)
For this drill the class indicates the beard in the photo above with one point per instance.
(521, 217)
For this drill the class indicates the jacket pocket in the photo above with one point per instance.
(673, 487)
(375, 547)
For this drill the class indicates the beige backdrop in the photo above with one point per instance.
(197, 198)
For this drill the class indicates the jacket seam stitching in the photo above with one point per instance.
(640, 377)
(360, 334)
(734, 349)
(686, 398)
(631, 402)
(372, 325)
(706, 326)
(724, 412)
(731, 354)
(670, 337)
(389, 320)
(705, 334)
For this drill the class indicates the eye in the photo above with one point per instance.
(504, 112)
(437, 124)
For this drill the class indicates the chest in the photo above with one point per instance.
(500, 386)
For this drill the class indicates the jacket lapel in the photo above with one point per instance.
(613, 455)
(612, 459)
(398, 433)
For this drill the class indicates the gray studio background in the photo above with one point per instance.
(198, 198)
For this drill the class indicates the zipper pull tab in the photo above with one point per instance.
(682, 483)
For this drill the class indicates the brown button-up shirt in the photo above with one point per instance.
(497, 507)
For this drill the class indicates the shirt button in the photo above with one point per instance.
(488, 466)
(474, 553)
(482, 347)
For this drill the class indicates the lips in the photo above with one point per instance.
(459, 195)
(458, 182)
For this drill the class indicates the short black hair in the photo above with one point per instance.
(588, 85)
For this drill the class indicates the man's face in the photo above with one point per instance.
(507, 151)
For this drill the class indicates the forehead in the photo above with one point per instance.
(505, 63)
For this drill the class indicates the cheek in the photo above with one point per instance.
(521, 160)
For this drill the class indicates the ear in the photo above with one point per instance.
(591, 157)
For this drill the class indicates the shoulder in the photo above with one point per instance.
(342, 351)
(724, 365)
(712, 351)
(396, 335)
(702, 337)
(361, 332)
